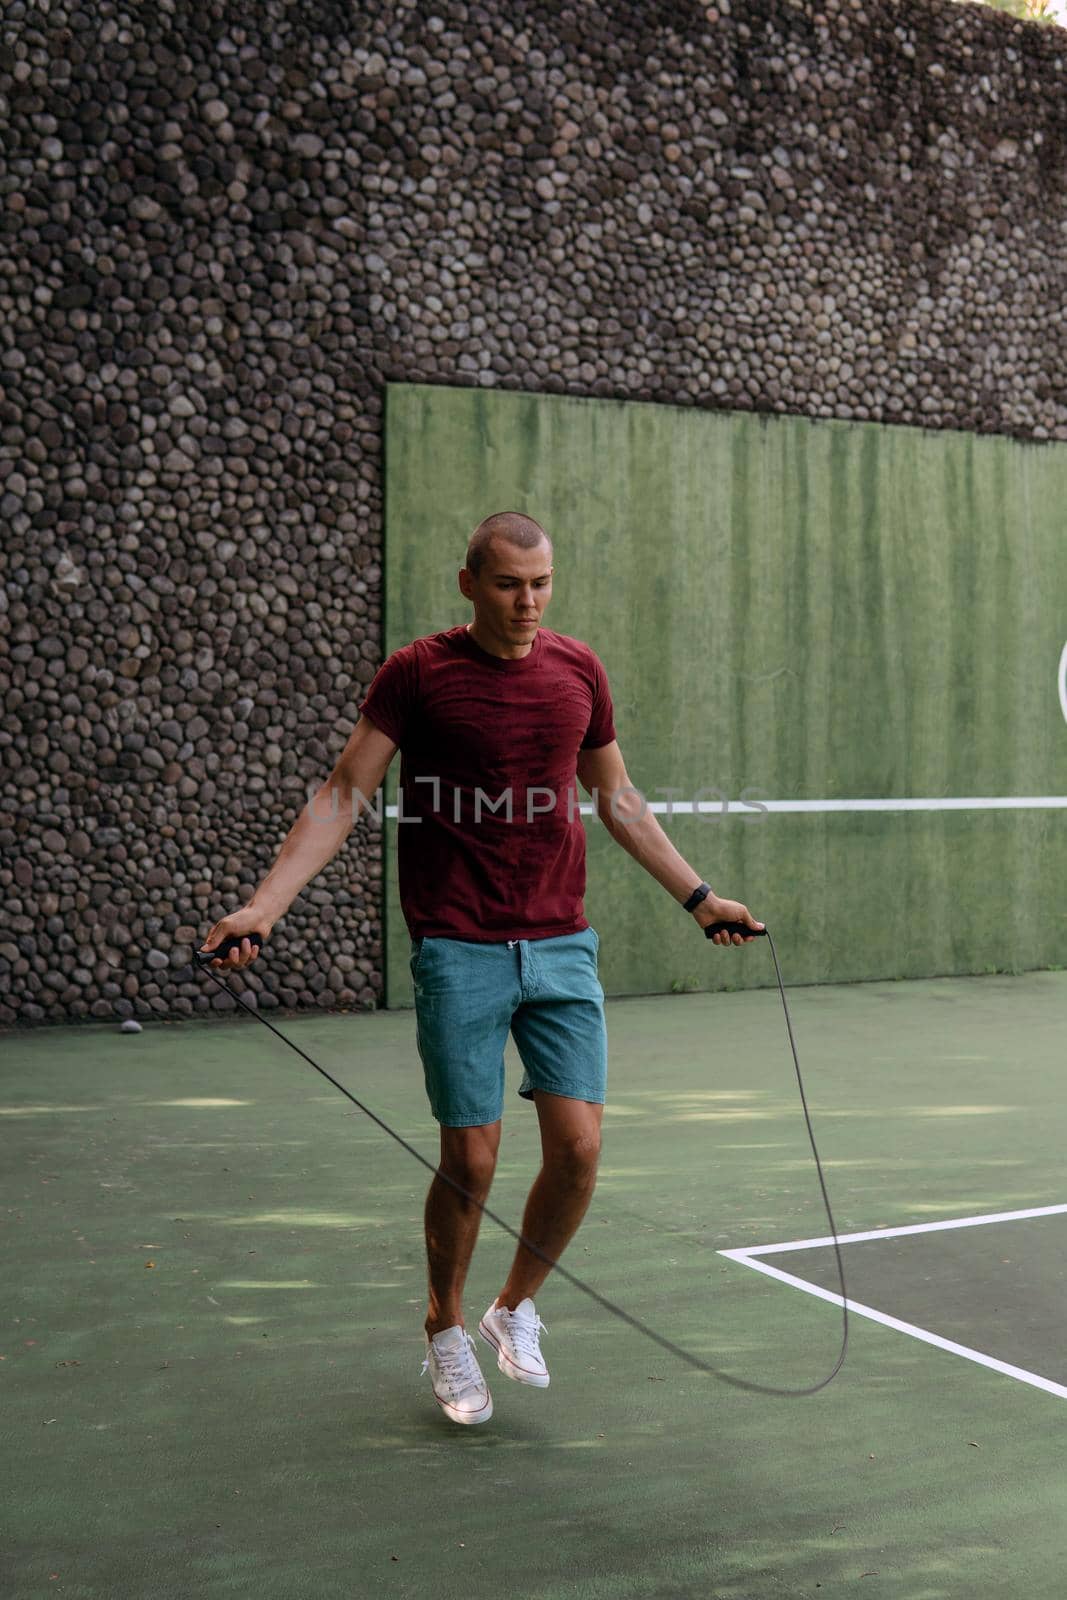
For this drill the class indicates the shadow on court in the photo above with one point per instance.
(216, 1286)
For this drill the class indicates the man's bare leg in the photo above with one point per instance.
(562, 1190)
(468, 1156)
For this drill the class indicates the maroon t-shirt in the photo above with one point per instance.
(483, 739)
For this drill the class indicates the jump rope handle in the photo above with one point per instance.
(734, 927)
(220, 952)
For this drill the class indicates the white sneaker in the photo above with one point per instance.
(458, 1385)
(515, 1337)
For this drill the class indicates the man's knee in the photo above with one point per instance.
(575, 1156)
(468, 1155)
(570, 1135)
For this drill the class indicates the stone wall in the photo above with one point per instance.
(224, 227)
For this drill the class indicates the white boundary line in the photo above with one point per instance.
(747, 1257)
(749, 809)
(996, 802)
(896, 1233)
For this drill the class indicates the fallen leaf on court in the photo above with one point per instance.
(149, 1263)
(974, 1444)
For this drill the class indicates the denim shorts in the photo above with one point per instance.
(468, 995)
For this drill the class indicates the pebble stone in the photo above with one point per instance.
(224, 227)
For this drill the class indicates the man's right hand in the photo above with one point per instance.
(248, 920)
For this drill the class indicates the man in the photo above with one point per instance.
(495, 720)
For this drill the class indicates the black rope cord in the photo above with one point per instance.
(203, 958)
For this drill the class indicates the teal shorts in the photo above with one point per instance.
(467, 997)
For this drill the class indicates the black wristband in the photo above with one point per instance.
(700, 893)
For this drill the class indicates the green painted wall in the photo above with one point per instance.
(809, 609)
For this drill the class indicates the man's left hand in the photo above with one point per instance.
(712, 909)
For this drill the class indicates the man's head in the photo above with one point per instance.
(508, 577)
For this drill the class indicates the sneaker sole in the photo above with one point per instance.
(507, 1366)
(466, 1418)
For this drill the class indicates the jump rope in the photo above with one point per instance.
(204, 958)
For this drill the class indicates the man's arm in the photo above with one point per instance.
(619, 806)
(324, 825)
(315, 838)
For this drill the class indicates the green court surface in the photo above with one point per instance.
(215, 1288)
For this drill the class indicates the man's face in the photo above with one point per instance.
(511, 592)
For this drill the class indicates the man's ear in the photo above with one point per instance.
(464, 583)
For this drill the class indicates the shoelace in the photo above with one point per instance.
(460, 1366)
(524, 1331)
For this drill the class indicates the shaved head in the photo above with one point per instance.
(510, 526)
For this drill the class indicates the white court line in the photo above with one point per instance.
(896, 1233)
(747, 1257)
(996, 802)
(748, 809)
